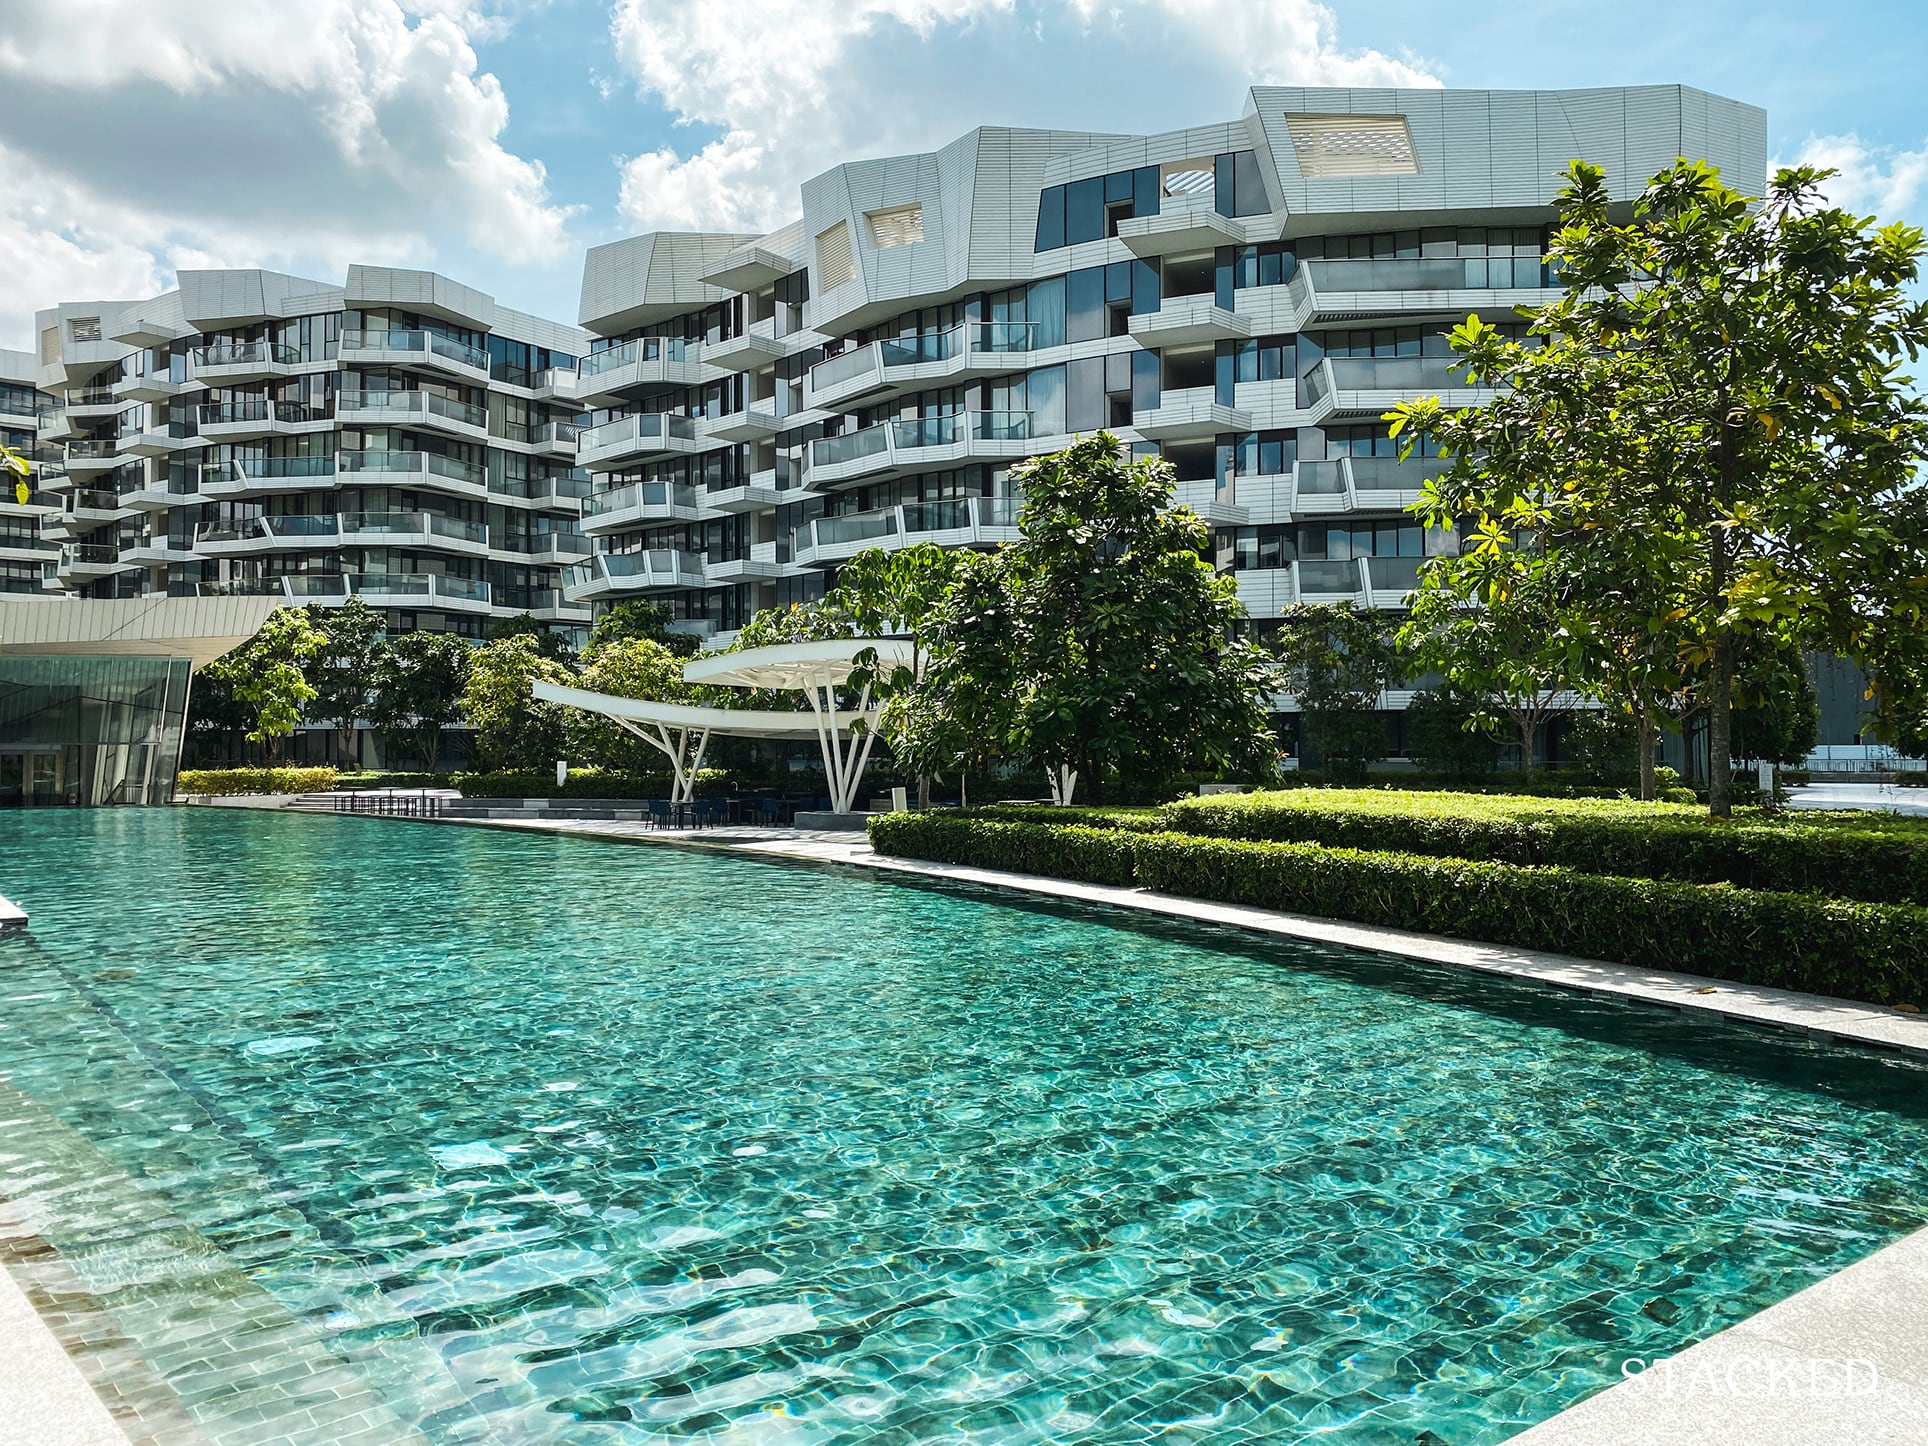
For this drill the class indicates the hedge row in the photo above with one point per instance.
(1881, 862)
(583, 783)
(224, 782)
(1791, 941)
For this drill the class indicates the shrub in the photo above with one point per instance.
(583, 783)
(228, 782)
(1870, 860)
(1793, 941)
(376, 779)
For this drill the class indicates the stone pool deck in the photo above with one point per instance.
(1843, 1361)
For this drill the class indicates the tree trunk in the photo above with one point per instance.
(1643, 721)
(1529, 730)
(923, 790)
(1720, 733)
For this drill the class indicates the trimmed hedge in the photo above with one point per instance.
(377, 779)
(1790, 941)
(583, 783)
(226, 782)
(1880, 861)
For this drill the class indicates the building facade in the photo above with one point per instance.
(25, 547)
(400, 438)
(1245, 299)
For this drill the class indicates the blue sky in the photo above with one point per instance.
(494, 139)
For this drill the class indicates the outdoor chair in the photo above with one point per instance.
(661, 815)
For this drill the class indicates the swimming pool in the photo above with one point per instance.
(515, 1138)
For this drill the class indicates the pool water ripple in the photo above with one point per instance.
(637, 1144)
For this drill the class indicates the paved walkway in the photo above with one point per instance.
(1875, 796)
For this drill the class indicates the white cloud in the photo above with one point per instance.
(1883, 180)
(254, 132)
(797, 88)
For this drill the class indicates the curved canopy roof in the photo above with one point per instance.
(739, 722)
(794, 665)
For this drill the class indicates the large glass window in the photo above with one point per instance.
(1090, 209)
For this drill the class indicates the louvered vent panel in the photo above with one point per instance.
(835, 262)
(899, 226)
(1353, 145)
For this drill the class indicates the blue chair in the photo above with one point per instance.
(660, 814)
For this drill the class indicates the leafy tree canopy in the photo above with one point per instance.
(636, 618)
(267, 676)
(418, 689)
(513, 728)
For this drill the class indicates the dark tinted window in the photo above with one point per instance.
(1084, 210)
(1051, 219)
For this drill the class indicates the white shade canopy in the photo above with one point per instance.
(794, 665)
(731, 722)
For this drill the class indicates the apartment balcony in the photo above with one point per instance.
(1380, 582)
(1419, 286)
(161, 439)
(758, 565)
(639, 503)
(153, 389)
(266, 476)
(556, 439)
(886, 368)
(635, 439)
(1215, 504)
(90, 507)
(157, 552)
(1188, 321)
(413, 530)
(389, 590)
(417, 350)
(1369, 387)
(1267, 592)
(425, 410)
(555, 384)
(922, 443)
(1181, 228)
(292, 531)
(427, 470)
(754, 423)
(563, 492)
(39, 550)
(1189, 414)
(959, 522)
(614, 575)
(252, 418)
(235, 364)
(92, 456)
(81, 562)
(39, 503)
(93, 404)
(560, 547)
(759, 492)
(162, 493)
(54, 424)
(603, 378)
(753, 350)
(545, 604)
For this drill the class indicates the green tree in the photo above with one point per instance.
(1129, 666)
(1444, 734)
(1720, 382)
(1337, 660)
(418, 687)
(552, 645)
(627, 667)
(1491, 622)
(513, 728)
(344, 665)
(1777, 716)
(636, 618)
(810, 622)
(267, 676)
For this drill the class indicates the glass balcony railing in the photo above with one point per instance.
(90, 450)
(88, 554)
(867, 442)
(642, 348)
(420, 525)
(639, 428)
(667, 564)
(221, 414)
(468, 589)
(1329, 577)
(836, 370)
(246, 353)
(265, 468)
(1389, 474)
(556, 434)
(302, 524)
(665, 495)
(429, 343)
(1400, 373)
(92, 499)
(1390, 574)
(1431, 273)
(401, 404)
(425, 463)
(1322, 479)
(529, 599)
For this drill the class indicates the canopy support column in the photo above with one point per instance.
(844, 759)
(673, 744)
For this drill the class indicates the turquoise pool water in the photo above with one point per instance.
(562, 1141)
